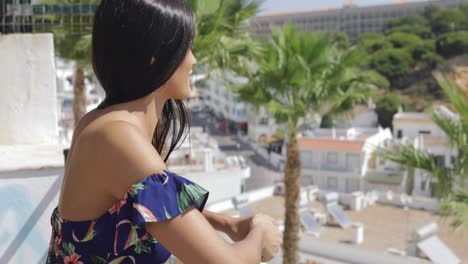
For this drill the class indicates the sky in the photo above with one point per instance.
(295, 5)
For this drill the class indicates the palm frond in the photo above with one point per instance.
(456, 206)
(409, 156)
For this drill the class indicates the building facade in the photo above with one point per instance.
(340, 159)
(350, 19)
(420, 130)
(226, 105)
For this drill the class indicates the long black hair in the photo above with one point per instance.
(127, 36)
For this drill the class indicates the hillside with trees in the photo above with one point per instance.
(412, 47)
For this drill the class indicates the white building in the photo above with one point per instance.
(339, 160)
(420, 130)
(224, 103)
(408, 125)
(200, 160)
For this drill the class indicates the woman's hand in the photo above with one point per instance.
(271, 236)
(239, 227)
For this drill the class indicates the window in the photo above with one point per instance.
(332, 183)
(352, 161)
(352, 185)
(332, 157)
(263, 121)
(440, 161)
(399, 133)
(306, 159)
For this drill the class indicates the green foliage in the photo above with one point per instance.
(412, 24)
(341, 40)
(409, 156)
(425, 52)
(386, 107)
(392, 63)
(452, 43)
(401, 40)
(279, 134)
(414, 45)
(429, 11)
(373, 42)
(418, 30)
(446, 20)
(464, 10)
(456, 205)
(221, 41)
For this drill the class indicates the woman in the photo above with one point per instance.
(118, 202)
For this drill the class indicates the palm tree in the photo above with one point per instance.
(75, 47)
(72, 41)
(300, 73)
(221, 41)
(452, 184)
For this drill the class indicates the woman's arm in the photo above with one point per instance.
(192, 239)
(236, 228)
(218, 221)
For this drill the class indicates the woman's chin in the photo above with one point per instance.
(183, 94)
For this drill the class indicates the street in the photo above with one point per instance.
(262, 173)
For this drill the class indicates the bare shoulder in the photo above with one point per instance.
(125, 154)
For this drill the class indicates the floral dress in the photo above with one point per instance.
(119, 235)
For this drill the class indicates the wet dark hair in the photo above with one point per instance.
(127, 35)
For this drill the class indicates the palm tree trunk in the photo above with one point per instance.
(79, 102)
(293, 187)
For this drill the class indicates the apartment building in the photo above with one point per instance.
(351, 19)
(225, 104)
(420, 130)
(339, 159)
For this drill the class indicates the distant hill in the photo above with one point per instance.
(423, 92)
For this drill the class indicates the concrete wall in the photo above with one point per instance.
(27, 89)
(222, 184)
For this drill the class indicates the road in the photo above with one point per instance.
(262, 173)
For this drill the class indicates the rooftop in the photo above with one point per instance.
(331, 144)
(411, 116)
(425, 117)
(385, 226)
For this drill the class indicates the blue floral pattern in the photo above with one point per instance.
(119, 236)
